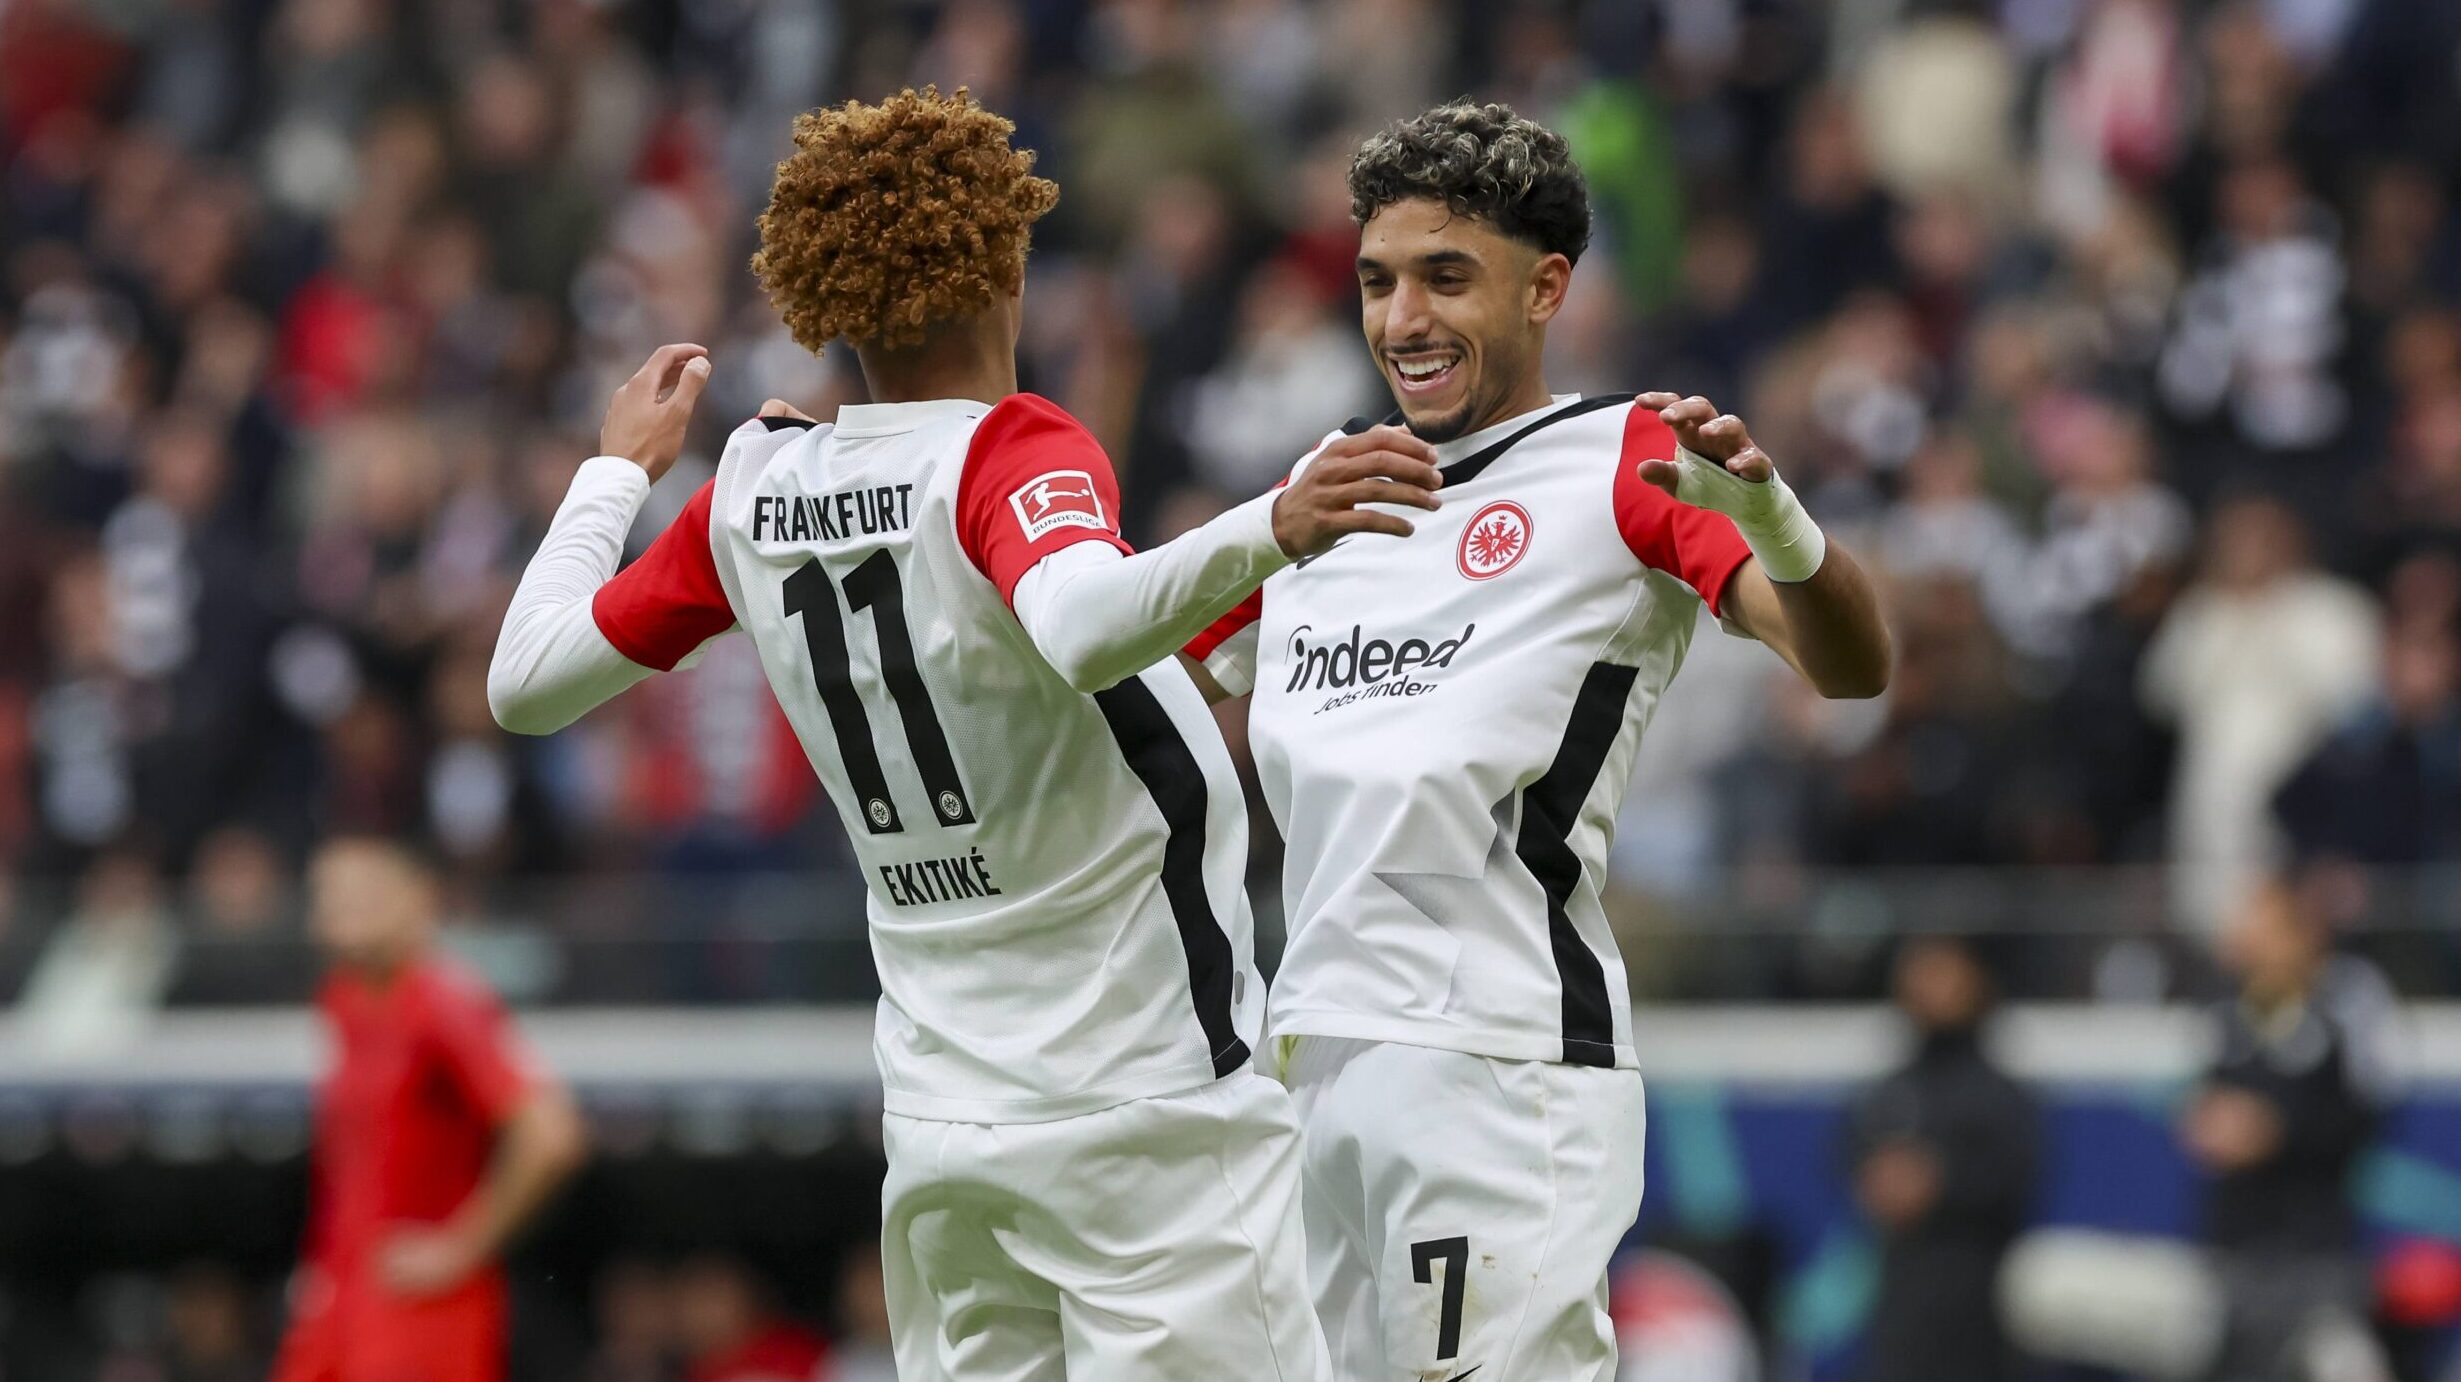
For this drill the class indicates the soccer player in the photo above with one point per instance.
(1445, 728)
(1087, 1178)
(437, 1139)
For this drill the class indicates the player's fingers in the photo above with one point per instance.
(1666, 475)
(1342, 470)
(1352, 456)
(689, 384)
(1369, 521)
(1686, 418)
(1723, 437)
(663, 362)
(1658, 400)
(779, 407)
(1404, 468)
(1402, 440)
(1688, 412)
(1358, 492)
(1751, 463)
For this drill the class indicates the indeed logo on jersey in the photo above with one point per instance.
(1057, 499)
(1366, 668)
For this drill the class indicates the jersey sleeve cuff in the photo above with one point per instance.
(612, 476)
(1253, 521)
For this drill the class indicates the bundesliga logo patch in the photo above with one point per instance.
(1494, 540)
(1055, 500)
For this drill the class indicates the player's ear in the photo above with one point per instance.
(1550, 279)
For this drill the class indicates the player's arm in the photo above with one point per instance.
(578, 634)
(540, 1143)
(1801, 594)
(1099, 613)
(538, 1148)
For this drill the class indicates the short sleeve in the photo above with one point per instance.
(663, 606)
(482, 1054)
(1697, 546)
(1035, 482)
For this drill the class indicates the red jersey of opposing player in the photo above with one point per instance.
(779, 1353)
(406, 1120)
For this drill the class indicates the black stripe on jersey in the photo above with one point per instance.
(1466, 469)
(1173, 778)
(1357, 425)
(781, 424)
(1550, 808)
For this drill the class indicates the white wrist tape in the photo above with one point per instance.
(1773, 522)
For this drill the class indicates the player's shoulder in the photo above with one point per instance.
(759, 443)
(1598, 428)
(444, 989)
(1031, 412)
(1028, 440)
(763, 437)
(1028, 430)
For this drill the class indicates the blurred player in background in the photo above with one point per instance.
(1085, 1176)
(1445, 729)
(1943, 1159)
(437, 1139)
(2300, 1082)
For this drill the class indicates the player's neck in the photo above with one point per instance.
(1527, 397)
(981, 365)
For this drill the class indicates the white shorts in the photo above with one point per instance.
(1461, 1210)
(1156, 1241)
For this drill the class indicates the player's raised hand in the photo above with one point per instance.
(1716, 466)
(1382, 465)
(646, 421)
(1713, 436)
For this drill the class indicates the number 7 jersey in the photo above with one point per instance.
(1056, 905)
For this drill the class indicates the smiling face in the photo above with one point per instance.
(1456, 313)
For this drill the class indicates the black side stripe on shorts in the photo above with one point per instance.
(1161, 760)
(1550, 808)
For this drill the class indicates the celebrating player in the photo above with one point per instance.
(1445, 728)
(436, 1140)
(1086, 1178)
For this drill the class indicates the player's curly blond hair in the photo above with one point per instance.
(888, 220)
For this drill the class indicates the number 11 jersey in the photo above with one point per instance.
(1056, 903)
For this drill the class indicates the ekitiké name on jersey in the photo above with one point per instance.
(1367, 668)
(832, 517)
(926, 881)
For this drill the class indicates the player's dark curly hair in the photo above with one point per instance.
(1484, 161)
(890, 219)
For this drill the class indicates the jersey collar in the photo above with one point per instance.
(858, 418)
(1451, 451)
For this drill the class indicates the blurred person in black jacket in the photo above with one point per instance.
(2294, 1096)
(1942, 1156)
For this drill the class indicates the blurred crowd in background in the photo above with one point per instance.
(2120, 334)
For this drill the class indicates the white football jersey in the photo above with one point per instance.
(1057, 908)
(1445, 725)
